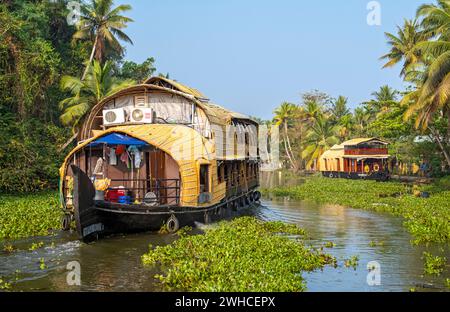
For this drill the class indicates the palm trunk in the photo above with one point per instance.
(91, 58)
(62, 148)
(287, 153)
(441, 146)
(448, 124)
(301, 149)
(289, 148)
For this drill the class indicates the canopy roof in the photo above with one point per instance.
(118, 139)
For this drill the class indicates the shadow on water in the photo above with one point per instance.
(114, 264)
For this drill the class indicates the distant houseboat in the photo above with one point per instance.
(157, 154)
(357, 159)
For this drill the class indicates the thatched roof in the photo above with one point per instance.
(216, 114)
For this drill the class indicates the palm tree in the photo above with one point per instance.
(433, 93)
(436, 19)
(382, 101)
(86, 93)
(339, 108)
(345, 126)
(362, 120)
(431, 96)
(103, 24)
(321, 137)
(283, 115)
(403, 46)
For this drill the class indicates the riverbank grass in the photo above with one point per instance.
(427, 219)
(240, 255)
(28, 215)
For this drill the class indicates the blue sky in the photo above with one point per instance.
(251, 55)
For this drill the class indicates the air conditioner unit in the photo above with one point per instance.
(140, 101)
(113, 116)
(141, 115)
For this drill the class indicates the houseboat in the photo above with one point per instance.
(365, 158)
(158, 154)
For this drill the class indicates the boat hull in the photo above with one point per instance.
(97, 219)
(377, 176)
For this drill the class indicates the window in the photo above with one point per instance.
(204, 179)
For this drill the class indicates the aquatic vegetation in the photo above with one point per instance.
(28, 215)
(245, 254)
(9, 248)
(427, 219)
(434, 265)
(376, 244)
(36, 246)
(184, 231)
(352, 262)
(4, 285)
(42, 264)
(330, 245)
(447, 283)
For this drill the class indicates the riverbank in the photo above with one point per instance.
(29, 215)
(245, 254)
(427, 219)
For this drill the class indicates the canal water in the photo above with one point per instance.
(114, 264)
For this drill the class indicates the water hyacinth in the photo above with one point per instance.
(28, 215)
(240, 255)
(433, 265)
(427, 219)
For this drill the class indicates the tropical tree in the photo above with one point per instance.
(86, 93)
(103, 24)
(403, 46)
(339, 108)
(321, 136)
(431, 99)
(283, 115)
(136, 72)
(383, 100)
(362, 119)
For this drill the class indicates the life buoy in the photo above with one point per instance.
(173, 224)
(376, 167)
(331, 175)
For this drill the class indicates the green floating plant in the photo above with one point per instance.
(245, 254)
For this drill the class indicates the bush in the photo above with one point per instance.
(29, 157)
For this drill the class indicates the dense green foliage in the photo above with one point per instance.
(428, 219)
(37, 49)
(34, 51)
(29, 160)
(31, 215)
(242, 255)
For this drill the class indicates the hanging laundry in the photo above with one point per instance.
(124, 158)
(112, 157)
(138, 159)
(134, 151)
(120, 149)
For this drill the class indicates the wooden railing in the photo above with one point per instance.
(366, 151)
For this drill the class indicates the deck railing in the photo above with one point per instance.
(167, 191)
